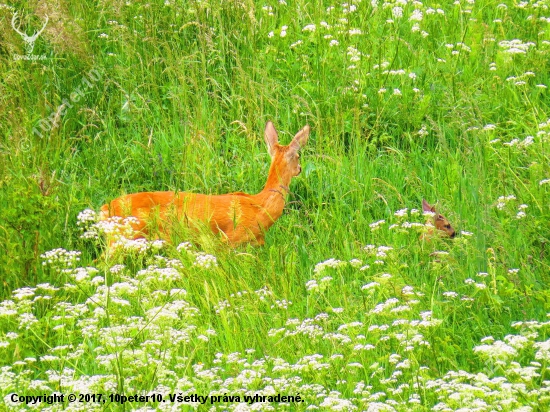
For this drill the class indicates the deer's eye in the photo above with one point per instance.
(447, 226)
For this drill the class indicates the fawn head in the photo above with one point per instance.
(440, 221)
(285, 158)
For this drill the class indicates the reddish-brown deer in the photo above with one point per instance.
(439, 221)
(239, 217)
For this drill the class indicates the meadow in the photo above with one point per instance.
(345, 305)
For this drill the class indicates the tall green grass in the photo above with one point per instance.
(402, 105)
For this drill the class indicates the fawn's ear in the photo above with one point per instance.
(427, 208)
(271, 138)
(300, 139)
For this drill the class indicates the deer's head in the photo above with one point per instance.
(285, 158)
(440, 222)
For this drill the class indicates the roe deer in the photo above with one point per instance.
(439, 221)
(239, 217)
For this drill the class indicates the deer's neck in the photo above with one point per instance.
(278, 181)
(273, 195)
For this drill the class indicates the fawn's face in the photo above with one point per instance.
(286, 158)
(441, 223)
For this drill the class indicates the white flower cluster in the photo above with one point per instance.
(380, 251)
(281, 304)
(184, 246)
(401, 212)
(86, 217)
(376, 225)
(381, 307)
(370, 285)
(154, 273)
(117, 269)
(353, 54)
(515, 46)
(204, 260)
(515, 142)
(138, 246)
(81, 274)
(498, 350)
(320, 285)
(113, 227)
(60, 257)
(329, 263)
(503, 200)
(405, 225)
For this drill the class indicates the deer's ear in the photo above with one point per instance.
(300, 139)
(426, 206)
(271, 138)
